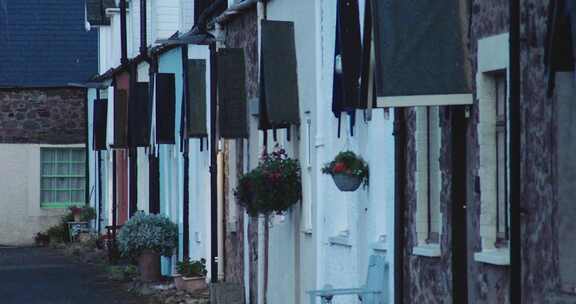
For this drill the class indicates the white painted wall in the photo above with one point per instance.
(167, 18)
(364, 219)
(199, 183)
(20, 209)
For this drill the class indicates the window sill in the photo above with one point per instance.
(380, 245)
(340, 240)
(500, 257)
(427, 250)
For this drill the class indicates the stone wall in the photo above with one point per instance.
(429, 280)
(486, 283)
(43, 115)
(242, 32)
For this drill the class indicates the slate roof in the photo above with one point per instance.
(96, 11)
(45, 43)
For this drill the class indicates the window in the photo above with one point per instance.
(428, 181)
(502, 180)
(62, 177)
(493, 130)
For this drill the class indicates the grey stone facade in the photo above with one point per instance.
(429, 280)
(42, 115)
(242, 32)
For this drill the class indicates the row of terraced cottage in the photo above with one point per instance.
(461, 110)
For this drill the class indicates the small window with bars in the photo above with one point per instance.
(62, 177)
(502, 176)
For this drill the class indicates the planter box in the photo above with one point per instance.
(149, 266)
(192, 284)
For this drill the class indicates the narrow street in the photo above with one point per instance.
(43, 276)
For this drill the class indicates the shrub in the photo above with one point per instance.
(189, 268)
(87, 214)
(273, 186)
(348, 162)
(147, 232)
(58, 233)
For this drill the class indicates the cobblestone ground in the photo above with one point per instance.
(43, 276)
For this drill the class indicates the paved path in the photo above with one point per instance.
(43, 276)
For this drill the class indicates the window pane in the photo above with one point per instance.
(62, 183)
(77, 183)
(48, 169)
(78, 155)
(77, 196)
(77, 169)
(48, 155)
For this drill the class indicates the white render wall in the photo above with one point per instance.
(330, 238)
(22, 216)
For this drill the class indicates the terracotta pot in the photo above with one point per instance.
(149, 266)
(347, 182)
(190, 284)
(77, 217)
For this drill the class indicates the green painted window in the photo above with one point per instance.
(62, 177)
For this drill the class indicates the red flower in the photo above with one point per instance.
(339, 168)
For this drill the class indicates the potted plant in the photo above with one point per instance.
(87, 214)
(191, 275)
(145, 237)
(273, 186)
(76, 213)
(348, 171)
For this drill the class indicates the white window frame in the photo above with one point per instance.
(40, 174)
(493, 56)
(428, 181)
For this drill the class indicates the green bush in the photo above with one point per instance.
(147, 232)
(58, 233)
(190, 269)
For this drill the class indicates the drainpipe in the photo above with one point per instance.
(143, 29)
(123, 33)
(99, 179)
(86, 151)
(515, 155)
(399, 202)
(220, 164)
(213, 170)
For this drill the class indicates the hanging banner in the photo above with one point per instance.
(165, 108)
(232, 93)
(421, 53)
(279, 106)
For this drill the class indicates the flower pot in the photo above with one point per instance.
(77, 217)
(190, 284)
(149, 266)
(347, 182)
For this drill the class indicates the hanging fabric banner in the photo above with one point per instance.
(347, 62)
(99, 126)
(421, 52)
(231, 73)
(279, 105)
(197, 98)
(165, 108)
(139, 124)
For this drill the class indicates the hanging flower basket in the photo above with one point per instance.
(348, 171)
(273, 186)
